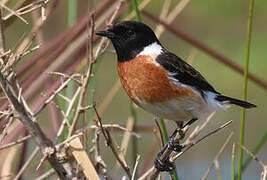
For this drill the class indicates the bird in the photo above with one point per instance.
(159, 81)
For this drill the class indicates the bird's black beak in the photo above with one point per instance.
(106, 33)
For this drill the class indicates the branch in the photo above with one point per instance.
(43, 142)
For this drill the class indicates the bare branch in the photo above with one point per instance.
(14, 12)
(15, 142)
(43, 142)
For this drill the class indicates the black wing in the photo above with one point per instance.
(184, 73)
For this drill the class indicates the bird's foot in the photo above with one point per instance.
(164, 166)
(174, 146)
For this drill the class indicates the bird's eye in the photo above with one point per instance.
(130, 32)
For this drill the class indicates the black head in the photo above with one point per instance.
(129, 38)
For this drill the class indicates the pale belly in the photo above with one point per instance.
(177, 110)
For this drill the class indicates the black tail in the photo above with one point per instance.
(235, 101)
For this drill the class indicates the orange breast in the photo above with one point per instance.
(143, 79)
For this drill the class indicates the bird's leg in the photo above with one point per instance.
(190, 122)
(163, 164)
(179, 124)
(175, 146)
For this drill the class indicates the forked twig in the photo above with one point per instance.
(109, 143)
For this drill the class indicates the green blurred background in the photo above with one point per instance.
(220, 24)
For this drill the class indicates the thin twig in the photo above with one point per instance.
(100, 163)
(217, 156)
(109, 143)
(66, 115)
(27, 163)
(94, 127)
(168, 18)
(13, 12)
(135, 166)
(264, 167)
(85, 81)
(26, 9)
(253, 156)
(4, 133)
(48, 100)
(46, 175)
(21, 140)
(126, 139)
(199, 140)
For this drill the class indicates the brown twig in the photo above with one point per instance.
(4, 133)
(21, 140)
(100, 163)
(125, 139)
(135, 166)
(109, 143)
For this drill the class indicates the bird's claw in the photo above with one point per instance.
(177, 147)
(164, 166)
